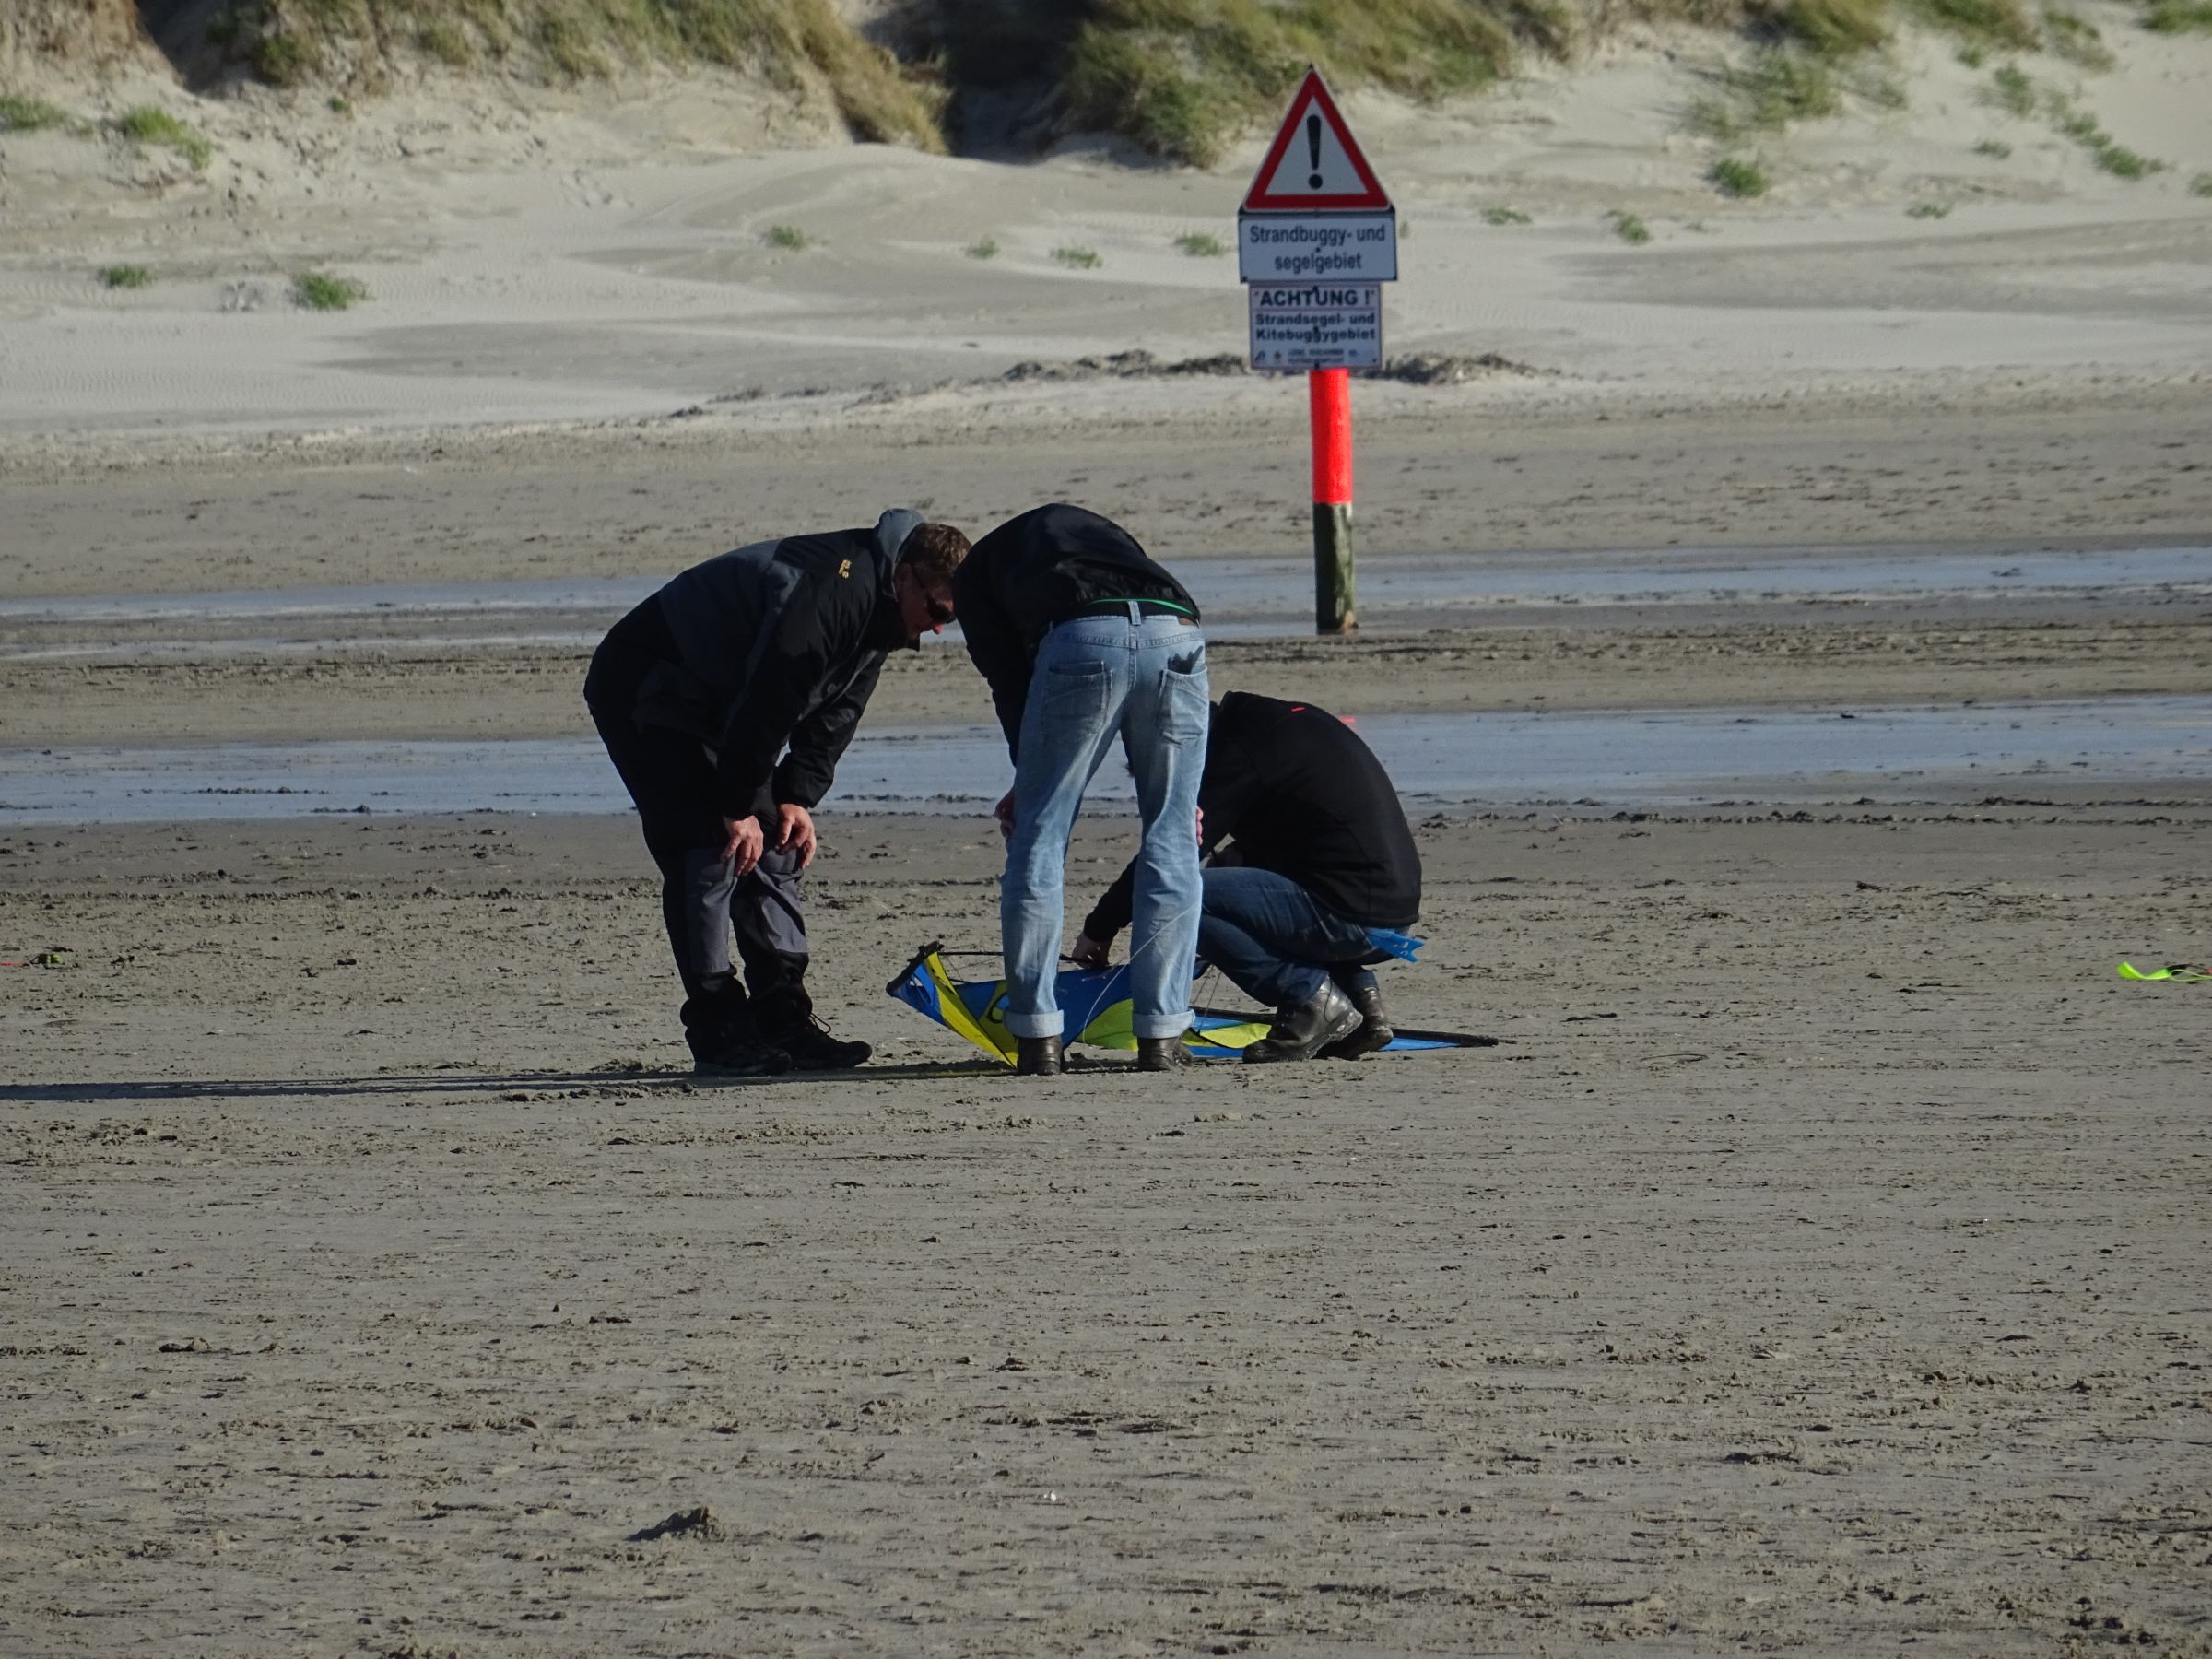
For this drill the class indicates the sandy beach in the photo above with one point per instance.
(1814, 1262)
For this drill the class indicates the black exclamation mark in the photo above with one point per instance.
(1313, 151)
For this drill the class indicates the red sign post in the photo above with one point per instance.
(1317, 214)
(1330, 395)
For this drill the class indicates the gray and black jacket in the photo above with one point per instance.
(779, 644)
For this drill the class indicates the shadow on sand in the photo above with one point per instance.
(461, 1082)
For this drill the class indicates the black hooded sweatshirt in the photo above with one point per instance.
(1305, 798)
(1041, 568)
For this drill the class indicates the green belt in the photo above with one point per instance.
(1150, 608)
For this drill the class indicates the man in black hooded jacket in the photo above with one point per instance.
(1321, 854)
(725, 700)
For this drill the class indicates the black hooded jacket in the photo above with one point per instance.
(1305, 798)
(776, 644)
(1041, 568)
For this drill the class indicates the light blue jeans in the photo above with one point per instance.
(1141, 679)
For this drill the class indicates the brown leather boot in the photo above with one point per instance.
(1163, 1053)
(1374, 1030)
(1303, 1030)
(1037, 1057)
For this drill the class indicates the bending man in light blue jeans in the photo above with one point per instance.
(1141, 679)
(1083, 639)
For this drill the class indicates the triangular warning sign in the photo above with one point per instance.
(1315, 162)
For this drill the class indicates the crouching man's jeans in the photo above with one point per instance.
(1141, 679)
(1275, 941)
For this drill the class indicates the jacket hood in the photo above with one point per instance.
(893, 528)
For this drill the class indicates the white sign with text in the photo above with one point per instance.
(1300, 327)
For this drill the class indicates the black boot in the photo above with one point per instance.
(812, 1047)
(1037, 1057)
(1374, 1030)
(788, 1020)
(725, 1040)
(1163, 1053)
(1303, 1030)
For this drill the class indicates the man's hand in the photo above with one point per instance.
(744, 843)
(1003, 812)
(1089, 952)
(794, 828)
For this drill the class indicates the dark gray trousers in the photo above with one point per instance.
(704, 903)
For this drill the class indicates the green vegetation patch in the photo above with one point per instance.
(987, 248)
(1835, 28)
(2075, 39)
(1929, 210)
(1734, 176)
(126, 277)
(1628, 227)
(1199, 245)
(1505, 215)
(789, 238)
(1182, 79)
(319, 291)
(2000, 23)
(1774, 89)
(147, 125)
(448, 42)
(1994, 148)
(2201, 185)
(2083, 128)
(1078, 258)
(2179, 17)
(22, 113)
(2011, 90)
(797, 45)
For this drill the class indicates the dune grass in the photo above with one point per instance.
(1774, 89)
(1734, 176)
(1182, 79)
(795, 44)
(1198, 245)
(2011, 90)
(319, 291)
(2179, 17)
(1078, 258)
(2084, 129)
(1628, 227)
(147, 125)
(1929, 210)
(1505, 215)
(986, 248)
(2075, 39)
(2201, 185)
(2002, 23)
(126, 277)
(789, 238)
(22, 113)
(1996, 149)
(1835, 28)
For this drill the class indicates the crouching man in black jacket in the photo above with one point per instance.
(1321, 854)
(770, 651)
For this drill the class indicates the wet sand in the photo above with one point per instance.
(1817, 1262)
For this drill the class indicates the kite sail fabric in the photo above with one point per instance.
(1094, 1004)
(2173, 971)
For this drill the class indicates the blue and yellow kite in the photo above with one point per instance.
(1094, 1004)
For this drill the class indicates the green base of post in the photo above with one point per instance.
(1333, 607)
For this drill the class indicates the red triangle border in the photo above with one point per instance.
(1315, 90)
